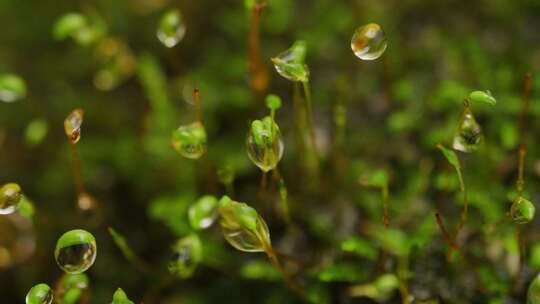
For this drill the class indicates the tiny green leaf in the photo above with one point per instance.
(481, 96)
(120, 297)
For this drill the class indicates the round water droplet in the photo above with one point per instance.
(40, 294)
(75, 251)
(72, 125)
(290, 64)
(242, 226)
(522, 211)
(203, 213)
(190, 140)
(369, 42)
(469, 135)
(171, 28)
(264, 144)
(10, 197)
(12, 88)
(187, 254)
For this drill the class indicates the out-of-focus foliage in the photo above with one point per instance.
(377, 125)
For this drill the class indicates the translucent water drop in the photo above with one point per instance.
(203, 213)
(171, 28)
(533, 293)
(71, 288)
(75, 251)
(522, 211)
(242, 226)
(469, 135)
(190, 140)
(120, 297)
(10, 197)
(290, 63)
(264, 144)
(369, 42)
(12, 88)
(72, 125)
(187, 254)
(40, 294)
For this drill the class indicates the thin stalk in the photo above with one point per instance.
(385, 197)
(300, 121)
(311, 130)
(258, 73)
(403, 269)
(76, 168)
(284, 194)
(197, 98)
(449, 240)
(291, 284)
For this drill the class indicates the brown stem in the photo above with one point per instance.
(257, 70)
(449, 240)
(197, 98)
(386, 216)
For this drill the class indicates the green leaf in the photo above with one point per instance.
(122, 244)
(450, 155)
(359, 247)
(120, 297)
(69, 25)
(484, 97)
(26, 208)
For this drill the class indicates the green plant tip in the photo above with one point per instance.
(469, 134)
(12, 88)
(290, 63)
(273, 102)
(120, 297)
(522, 211)
(190, 140)
(10, 198)
(264, 144)
(75, 251)
(484, 97)
(40, 294)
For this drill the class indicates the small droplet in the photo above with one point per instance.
(75, 251)
(264, 144)
(469, 135)
(203, 213)
(171, 28)
(40, 294)
(290, 64)
(190, 140)
(10, 197)
(522, 211)
(12, 88)
(72, 125)
(187, 254)
(369, 42)
(242, 226)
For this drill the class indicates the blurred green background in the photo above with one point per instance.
(397, 108)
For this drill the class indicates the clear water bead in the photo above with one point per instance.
(171, 28)
(264, 144)
(72, 125)
(190, 140)
(187, 254)
(10, 197)
(469, 135)
(75, 251)
(40, 294)
(369, 42)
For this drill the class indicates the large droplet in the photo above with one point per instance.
(40, 294)
(242, 226)
(171, 28)
(75, 251)
(290, 63)
(522, 211)
(533, 293)
(72, 288)
(72, 125)
(187, 254)
(10, 197)
(264, 144)
(369, 42)
(12, 88)
(469, 135)
(190, 140)
(204, 212)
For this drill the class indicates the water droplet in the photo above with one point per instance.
(10, 197)
(264, 144)
(171, 28)
(190, 140)
(522, 210)
(203, 213)
(40, 294)
(12, 88)
(75, 251)
(187, 254)
(242, 226)
(469, 135)
(369, 42)
(290, 63)
(72, 125)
